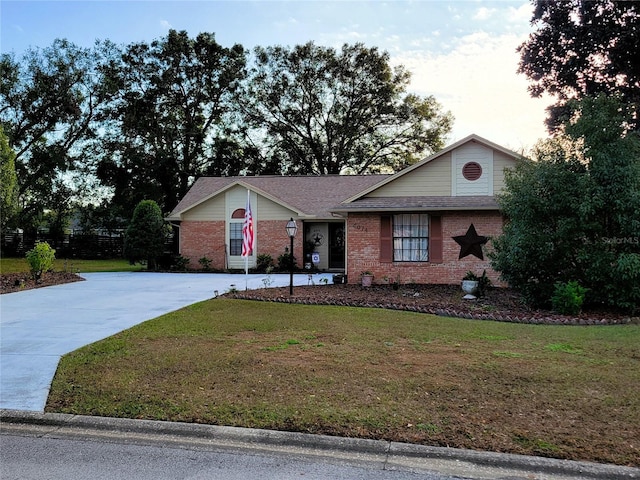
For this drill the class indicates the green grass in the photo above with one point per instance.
(567, 392)
(20, 265)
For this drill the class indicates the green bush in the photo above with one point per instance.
(484, 283)
(144, 237)
(205, 263)
(180, 263)
(286, 262)
(568, 297)
(264, 262)
(573, 213)
(40, 259)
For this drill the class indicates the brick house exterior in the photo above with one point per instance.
(400, 227)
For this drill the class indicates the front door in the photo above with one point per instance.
(336, 246)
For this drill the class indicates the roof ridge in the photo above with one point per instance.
(298, 176)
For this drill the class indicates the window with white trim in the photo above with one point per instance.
(411, 237)
(235, 238)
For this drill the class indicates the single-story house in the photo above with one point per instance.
(429, 223)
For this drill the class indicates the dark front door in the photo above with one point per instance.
(336, 246)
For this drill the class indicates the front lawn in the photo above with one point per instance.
(20, 265)
(561, 391)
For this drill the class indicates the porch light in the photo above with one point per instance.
(292, 229)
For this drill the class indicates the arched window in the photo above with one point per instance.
(235, 232)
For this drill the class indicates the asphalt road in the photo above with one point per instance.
(70, 447)
(26, 458)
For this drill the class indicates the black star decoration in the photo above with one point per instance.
(471, 243)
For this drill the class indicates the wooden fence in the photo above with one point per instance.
(84, 246)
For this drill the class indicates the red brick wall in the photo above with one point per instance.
(272, 239)
(363, 240)
(207, 239)
(203, 239)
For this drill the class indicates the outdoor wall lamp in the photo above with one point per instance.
(292, 229)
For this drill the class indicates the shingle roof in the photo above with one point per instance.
(378, 204)
(311, 196)
(319, 196)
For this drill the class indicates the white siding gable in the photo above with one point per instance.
(472, 152)
(236, 198)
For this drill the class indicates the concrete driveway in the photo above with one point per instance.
(38, 326)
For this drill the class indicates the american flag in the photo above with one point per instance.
(247, 230)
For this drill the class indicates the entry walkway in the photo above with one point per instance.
(38, 326)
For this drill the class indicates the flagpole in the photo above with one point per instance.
(247, 238)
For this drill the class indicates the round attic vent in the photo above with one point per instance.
(472, 171)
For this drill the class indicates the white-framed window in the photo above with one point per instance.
(235, 238)
(411, 237)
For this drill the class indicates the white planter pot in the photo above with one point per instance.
(470, 288)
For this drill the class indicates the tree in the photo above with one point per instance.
(582, 48)
(167, 126)
(315, 110)
(50, 100)
(541, 201)
(573, 214)
(8, 184)
(144, 237)
(612, 261)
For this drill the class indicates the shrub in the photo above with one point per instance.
(40, 259)
(470, 276)
(205, 263)
(573, 213)
(484, 283)
(172, 261)
(286, 262)
(568, 297)
(264, 262)
(180, 263)
(144, 238)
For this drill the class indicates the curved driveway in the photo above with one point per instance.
(38, 326)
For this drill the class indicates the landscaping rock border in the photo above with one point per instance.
(501, 305)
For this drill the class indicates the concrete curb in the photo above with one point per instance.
(396, 456)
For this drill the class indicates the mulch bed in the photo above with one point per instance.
(499, 304)
(18, 282)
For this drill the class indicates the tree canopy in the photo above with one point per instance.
(8, 184)
(315, 110)
(144, 120)
(582, 48)
(573, 213)
(50, 100)
(166, 125)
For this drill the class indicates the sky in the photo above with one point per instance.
(463, 52)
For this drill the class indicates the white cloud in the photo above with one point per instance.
(521, 14)
(287, 23)
(165, 24)
(477, 82)
(483, 13)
